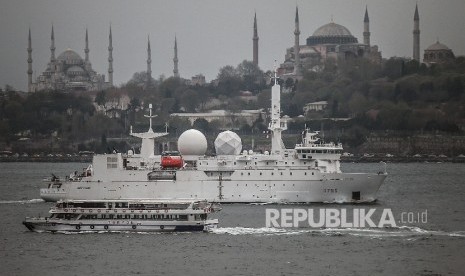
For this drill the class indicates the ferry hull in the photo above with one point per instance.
(50, 225)
(333, 187)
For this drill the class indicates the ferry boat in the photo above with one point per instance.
(126, 215)
(309, 172)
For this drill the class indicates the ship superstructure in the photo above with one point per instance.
(310, 172)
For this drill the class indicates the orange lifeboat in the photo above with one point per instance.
(171, 160)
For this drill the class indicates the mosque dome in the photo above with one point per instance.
(70, 57)
(438, 53)
(332, 29)
(437, 47)
(331, 33)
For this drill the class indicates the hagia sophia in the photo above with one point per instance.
(331, 41)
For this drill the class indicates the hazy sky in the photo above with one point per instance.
(211, 33)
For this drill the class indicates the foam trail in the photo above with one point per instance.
(402, 232)
(25, 201)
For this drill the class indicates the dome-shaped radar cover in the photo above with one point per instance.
(228, 143)
(192, 142)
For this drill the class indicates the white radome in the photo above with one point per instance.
(192, 142)
(228, 143)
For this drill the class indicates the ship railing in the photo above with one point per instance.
(327, 145)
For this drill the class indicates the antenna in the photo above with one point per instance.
(275, 73)
(150, 117)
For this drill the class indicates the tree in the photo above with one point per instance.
(202, 125)
(100, 98)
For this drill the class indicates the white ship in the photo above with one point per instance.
(126, 215)
(310, 172)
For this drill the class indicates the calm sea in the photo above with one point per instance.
(243, 245)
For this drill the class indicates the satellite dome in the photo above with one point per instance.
(228, 143)
(192, 142)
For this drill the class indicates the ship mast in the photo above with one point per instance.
(148, 138)
(276, 124)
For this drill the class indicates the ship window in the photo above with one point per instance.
(260, 173)
(242, 173)
(313, 173)
(281, 173)
(267, 163)
(246, 185)
(305, 163)
(285, 163)
(255, 163)
(272, 173)
(234, 163)
(248, 173)
(290, 173)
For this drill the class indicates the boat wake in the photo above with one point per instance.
(401, 232)
(25, 201)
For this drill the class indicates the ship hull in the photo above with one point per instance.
(50, 225)
(332, 187)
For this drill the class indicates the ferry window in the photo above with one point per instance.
(234, 163)
(272, 173)
(267, 163)
(281, 173)
(305, 163)
(248, 173)
(246, 185)
(242, 173)
(305, 173)
(313, 173)
(260, 173)
(285, 163)
(290, 173)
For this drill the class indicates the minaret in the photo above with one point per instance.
(52, 47)
(175, 59)
(366, 28)
(29, 63)
(86, 50)
(416, 35)
(297, 44)
(110, 59)
(255, 41)
(149, 62)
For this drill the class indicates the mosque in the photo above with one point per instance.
(68, 71)
(335, 42)
(331, 41)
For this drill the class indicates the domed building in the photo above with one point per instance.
(69, 71)
(330, 41)
(438, 53)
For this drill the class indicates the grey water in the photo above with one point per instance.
(242, 245)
